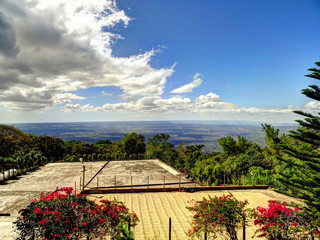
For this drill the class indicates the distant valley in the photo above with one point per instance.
(191, 132)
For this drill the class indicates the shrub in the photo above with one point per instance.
(62, 215)
(217, 215)
(278, 221)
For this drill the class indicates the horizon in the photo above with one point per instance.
(131, 60)
(214, 122)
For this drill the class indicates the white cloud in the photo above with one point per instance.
(106, 94)
(53, 48)
(203, 105)
(210, 97)
(313, 105)
(190, 86)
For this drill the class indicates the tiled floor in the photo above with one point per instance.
(153, 209)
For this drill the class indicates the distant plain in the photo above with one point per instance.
(190, 132)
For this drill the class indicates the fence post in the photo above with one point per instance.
(224, 180)
(115, 182)
(131, 182)
(244, 228)
(239, 179)
(205, 236)
(75, 187)
(169, 228)
(148, 181)
(97, 182)
(164, 182)
(83, 176)
(179, 182)
(253, 177)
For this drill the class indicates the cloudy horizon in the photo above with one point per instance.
(79, 61)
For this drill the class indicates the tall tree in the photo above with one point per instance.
(273, 138)
(159, 148)
(231, 147)
(304, 181)
(133, 145)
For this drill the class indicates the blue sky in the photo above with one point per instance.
(156, 60)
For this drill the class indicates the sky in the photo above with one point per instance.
(145, 60)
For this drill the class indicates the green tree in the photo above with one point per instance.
(304, 181)
(273, 138)
(133, 145)
(159, 148)
(104, 142)
(194, 154)
(231, 146)
(11, 140)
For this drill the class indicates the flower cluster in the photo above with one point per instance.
(279, 221)
(217, 215)
(62, 215)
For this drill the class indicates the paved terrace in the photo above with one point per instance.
(153, 209)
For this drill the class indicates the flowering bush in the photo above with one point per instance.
(279, 221)
(62, 215)
(216, 215)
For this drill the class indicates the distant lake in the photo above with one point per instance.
(191, 132)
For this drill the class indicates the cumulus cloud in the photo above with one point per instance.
(49, 49)
(210, 97)
(190, 86)
(204, 104)
(53, 48)
(8, 45)
(312, 105)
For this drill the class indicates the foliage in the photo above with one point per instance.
(124, 232)
(133, 145)
(278, 221)
(62, 215)
(217, 215)
(11, 140)
(159, 148)
(303, 157)
(273, 138)
(231, 146)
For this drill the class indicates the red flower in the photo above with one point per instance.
(84, 224)
(37, 211)
(42, 222)
(56, 235)
(101, 220)
(75, 229)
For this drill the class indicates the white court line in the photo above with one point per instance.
(169, 169)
